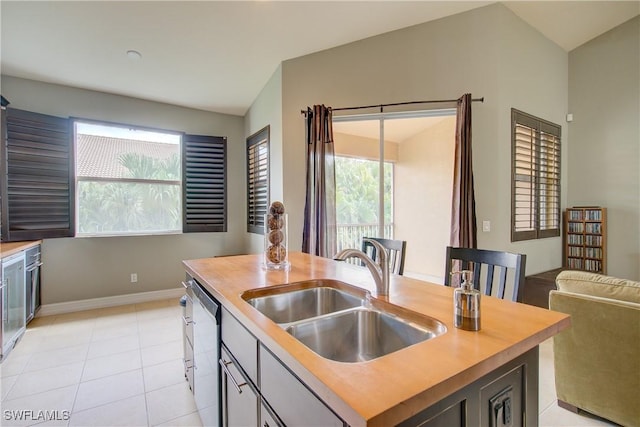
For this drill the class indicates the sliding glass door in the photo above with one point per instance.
(393, 180)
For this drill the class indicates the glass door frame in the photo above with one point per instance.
(381, 117)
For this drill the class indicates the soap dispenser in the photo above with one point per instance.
(466, 301)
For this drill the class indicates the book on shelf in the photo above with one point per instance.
(585, 238)
(593, 228)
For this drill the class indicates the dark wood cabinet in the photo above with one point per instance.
(537, 287)
(506, 397)
(585, 239)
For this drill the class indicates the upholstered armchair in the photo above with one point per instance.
(597, 360)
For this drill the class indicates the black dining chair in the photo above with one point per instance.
(492, 266)
(396, 250)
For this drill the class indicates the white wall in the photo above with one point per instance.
(362, 147)
(267, 110)
(604, 155)
(80, 268)
(487, 52)
(422, 196)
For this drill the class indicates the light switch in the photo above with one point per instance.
(486, 226)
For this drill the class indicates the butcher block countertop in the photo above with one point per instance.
(389, 389)
(8, 249)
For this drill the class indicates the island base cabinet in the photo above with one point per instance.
(506, 397)
(239, 399)
(267, 417)
(294, 403)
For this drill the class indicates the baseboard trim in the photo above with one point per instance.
(93, 303)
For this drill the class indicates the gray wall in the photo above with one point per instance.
(487, 52)
(94, 267)
(604, 155)
(267, 110)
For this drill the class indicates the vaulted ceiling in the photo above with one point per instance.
(218, 55)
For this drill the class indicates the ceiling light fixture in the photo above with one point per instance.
(134, 55)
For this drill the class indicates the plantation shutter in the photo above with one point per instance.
(549, 188)
(204, 170)
(257, 180)
(535, 197)
(38, 177)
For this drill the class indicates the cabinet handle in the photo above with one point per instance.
(5, 303)
(187, 365)
(34, 267)
(224, 365)
(187, 322)
(187, 285)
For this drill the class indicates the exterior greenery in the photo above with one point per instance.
(357, 182)
(133, 206)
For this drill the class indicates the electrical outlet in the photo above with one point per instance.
(500, 407)
(486, 226)
(134, 277)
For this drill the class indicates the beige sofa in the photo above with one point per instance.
(597, 360)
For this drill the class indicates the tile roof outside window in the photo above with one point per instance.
(98, 156)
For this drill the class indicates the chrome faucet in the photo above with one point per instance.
(379, 270)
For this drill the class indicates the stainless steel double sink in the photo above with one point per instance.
(342, 322)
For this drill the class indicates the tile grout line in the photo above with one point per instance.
(144, 385)
(582, 421)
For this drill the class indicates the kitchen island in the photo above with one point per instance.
(401, 385)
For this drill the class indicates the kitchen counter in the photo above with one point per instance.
(389, 389)
(7, 249)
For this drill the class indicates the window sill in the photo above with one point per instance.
(138, 234)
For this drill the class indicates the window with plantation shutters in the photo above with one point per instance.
(37, 177)
(535, 194)
(257, 180)
(204, 179)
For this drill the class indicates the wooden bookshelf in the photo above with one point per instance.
(585, 239)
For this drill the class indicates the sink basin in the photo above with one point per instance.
(342, 322)
(298, 304)
(361, 334)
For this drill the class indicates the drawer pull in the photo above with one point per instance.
(224, 365)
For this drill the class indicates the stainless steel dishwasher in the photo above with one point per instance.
(206, 352)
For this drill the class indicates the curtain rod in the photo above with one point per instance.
(398, 103)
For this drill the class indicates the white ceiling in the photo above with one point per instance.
(218, 55)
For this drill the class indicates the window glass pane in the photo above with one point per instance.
(127, 208)
(388, 200)
(116, 152)
(128, 180)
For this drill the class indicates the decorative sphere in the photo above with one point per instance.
(276, 237)
(277, 208)
(275, 222)
(276, 254)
